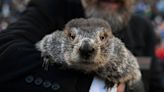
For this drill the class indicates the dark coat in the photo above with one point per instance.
(21, 64)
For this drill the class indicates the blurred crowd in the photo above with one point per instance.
(10, 10)
(152, 9)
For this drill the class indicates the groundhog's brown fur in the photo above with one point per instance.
(89, 45)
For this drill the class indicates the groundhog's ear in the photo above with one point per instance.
(109, 32)
(88, 3)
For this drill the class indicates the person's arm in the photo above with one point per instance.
(17, 51)
(18, 40)
(21, 63)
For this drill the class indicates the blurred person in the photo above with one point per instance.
(159, 52)
(11, 9)
(17, 7)
(20, 5)
(21, 62)
(160, 6)
(136, 32)
(6, 9)
(140, 7)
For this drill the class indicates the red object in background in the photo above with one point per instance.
(159, 52)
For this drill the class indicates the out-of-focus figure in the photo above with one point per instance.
(11, 10)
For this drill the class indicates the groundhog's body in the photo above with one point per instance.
(88, 45)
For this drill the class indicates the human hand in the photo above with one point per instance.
(121, 87)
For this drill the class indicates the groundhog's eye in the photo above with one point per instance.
(102, 37)
(72, 36)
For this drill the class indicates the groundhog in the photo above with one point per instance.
(88, 45)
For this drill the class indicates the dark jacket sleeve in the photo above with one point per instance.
(21, 64)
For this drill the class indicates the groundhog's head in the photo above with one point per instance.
(85, 43)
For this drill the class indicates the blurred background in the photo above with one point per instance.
(10, 10)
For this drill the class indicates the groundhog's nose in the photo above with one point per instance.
(86, 50)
